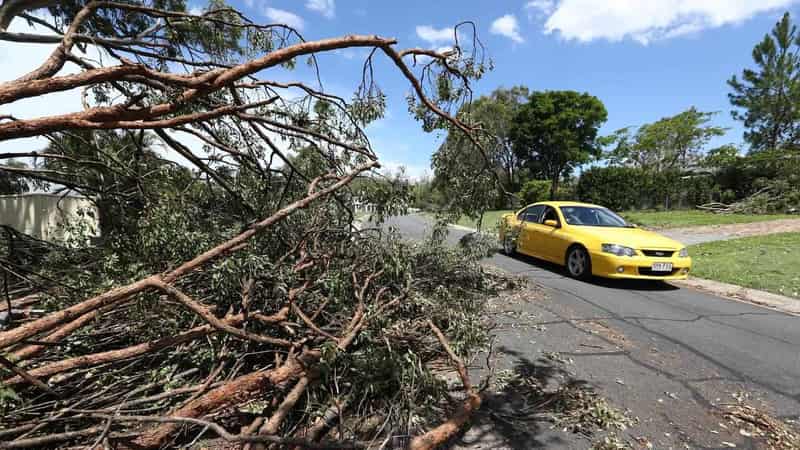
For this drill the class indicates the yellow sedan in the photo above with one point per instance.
(592, 240)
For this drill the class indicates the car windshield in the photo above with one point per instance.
(592, 216)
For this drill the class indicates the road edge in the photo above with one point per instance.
(743, 294)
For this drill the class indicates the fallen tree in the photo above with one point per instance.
(231, 297)
(778, 197)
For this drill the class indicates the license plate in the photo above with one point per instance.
(661, 267)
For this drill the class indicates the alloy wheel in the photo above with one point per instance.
(577, 262)
(509, 246)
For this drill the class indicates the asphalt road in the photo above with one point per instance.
(700, 347)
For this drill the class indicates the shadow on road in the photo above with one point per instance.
(636, 285)
(528, 400)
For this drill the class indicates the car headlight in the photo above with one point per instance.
(619, 250)
(684, 253)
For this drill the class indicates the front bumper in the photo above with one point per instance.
(638, 267)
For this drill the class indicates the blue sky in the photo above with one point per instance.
(644, 59)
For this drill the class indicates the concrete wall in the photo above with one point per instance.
(43, 215)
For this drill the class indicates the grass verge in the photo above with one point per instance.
(769, 263)
(652, 219)
(692, 218)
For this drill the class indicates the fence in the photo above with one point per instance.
(49, 217)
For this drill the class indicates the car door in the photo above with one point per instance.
(550, 242)
(529, 217)
(560, 239)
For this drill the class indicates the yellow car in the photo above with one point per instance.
(592, 240)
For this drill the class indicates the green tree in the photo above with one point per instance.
(459, 161)
(424, 196)
(533, 191)
(495, 113)
(670, 143)
(721, 157)
(557, 131)
(767, 97)
(13, 182)
(464, 177)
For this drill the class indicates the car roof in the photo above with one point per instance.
(565, 203)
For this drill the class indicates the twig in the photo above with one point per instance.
(25, 375)
(224, 434)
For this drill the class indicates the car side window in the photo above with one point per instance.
(550, 214)
(531, 214)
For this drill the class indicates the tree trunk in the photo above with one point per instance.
(554, 186)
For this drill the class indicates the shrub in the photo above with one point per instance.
(424, 196)
(691, 189)
(623, 188)
(534, 191)
(727, 196)
(566, 191)
(614, 187)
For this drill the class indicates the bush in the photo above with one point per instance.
(534, 191)
(425, 197)
(623, 188)
(614, 187)
(727, 196)
(566, 191)
(692, 189)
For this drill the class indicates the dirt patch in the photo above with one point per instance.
(602, 329)
(707, 233)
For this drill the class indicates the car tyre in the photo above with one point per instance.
(579, 264)
(509, 246)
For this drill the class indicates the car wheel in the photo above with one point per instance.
(509, 246)
(579, 264)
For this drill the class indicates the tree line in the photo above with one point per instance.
(535, 140)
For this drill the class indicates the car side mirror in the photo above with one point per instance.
(551, 223)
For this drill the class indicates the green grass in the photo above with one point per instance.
(489, 223)
(692, 218)
(770, 263)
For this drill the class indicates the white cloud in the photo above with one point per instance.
(195, 7)
(411, 172)
(352, 53)
(541, 7)
(433, 35)
(284, 17)
(325, 7)
(346, 53)
(507, 26)
(249, 3)
(647, 20)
